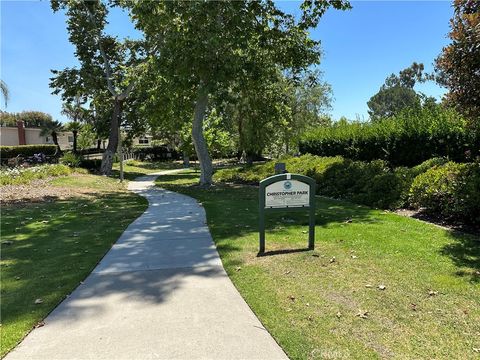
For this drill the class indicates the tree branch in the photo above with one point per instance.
(108, 70)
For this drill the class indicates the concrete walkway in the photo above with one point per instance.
(160, 293)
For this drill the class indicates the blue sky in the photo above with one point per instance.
(361, 48)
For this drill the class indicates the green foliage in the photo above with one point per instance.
(31, 119)
(408, 139)
(70, 159)
(86, 137)
(20, 175)
(452, 190)
(458, 65)
(8, 152)
(396, 94)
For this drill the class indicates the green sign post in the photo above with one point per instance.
(290, 192)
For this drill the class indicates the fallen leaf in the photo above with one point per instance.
(354, 256)
(332, 260)
(307, 304)
(348, 221)
(287, 272)
(369, 286)
(477, 350)
(40, 324)
(38, 301)
(310, 318)
(304, 232)
(238, 268)
(44, 221)
(413, 307)
(17, 277)
(432, 293)
(339, 314)
(291, 297)
(362, 314)
(381, 287)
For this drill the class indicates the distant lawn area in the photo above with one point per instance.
(378, 285)
(48, 248)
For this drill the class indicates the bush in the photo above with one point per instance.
(451, 190)
(155, 153)
(8, 152)
(20, 175)
(405, 140)
(71, 159)
(370, 183)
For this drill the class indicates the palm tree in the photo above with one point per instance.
(76, 113)
(4, 91)
(52, 129)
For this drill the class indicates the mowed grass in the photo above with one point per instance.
(135, 168)
(49, 248)
(329, 303)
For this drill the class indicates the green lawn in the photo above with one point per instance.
(49, 248)
(327, 303)
(135, 168)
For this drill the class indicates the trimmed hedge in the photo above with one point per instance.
(8, 152)
(155, 153)
(406, 140)
(450, 189)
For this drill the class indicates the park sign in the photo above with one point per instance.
(287, 192)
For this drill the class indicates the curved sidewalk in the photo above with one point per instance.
(160, 293)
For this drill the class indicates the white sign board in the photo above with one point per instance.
(291, 193)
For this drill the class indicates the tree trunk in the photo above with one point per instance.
(75, 133)
(58, 152)
(108, 155)
(186, 159)
(99, 144)
(199, 140)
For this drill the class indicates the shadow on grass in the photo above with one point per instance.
(465, 253)
(282, 252)
(232, 211)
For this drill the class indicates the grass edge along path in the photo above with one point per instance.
(378, 285)
(49, 248)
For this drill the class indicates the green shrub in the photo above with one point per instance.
(405, 140)
(70, 159)
(370, 183)
(451, 190)
(20, 175)
(8, 152)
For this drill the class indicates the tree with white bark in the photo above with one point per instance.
(106, 64)
(204, 46)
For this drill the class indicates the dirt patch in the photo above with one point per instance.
(39, 191)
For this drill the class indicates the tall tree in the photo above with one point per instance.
(458, 66)
(105, 64)
(203, 46)
(396, 93)
(75, 112)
